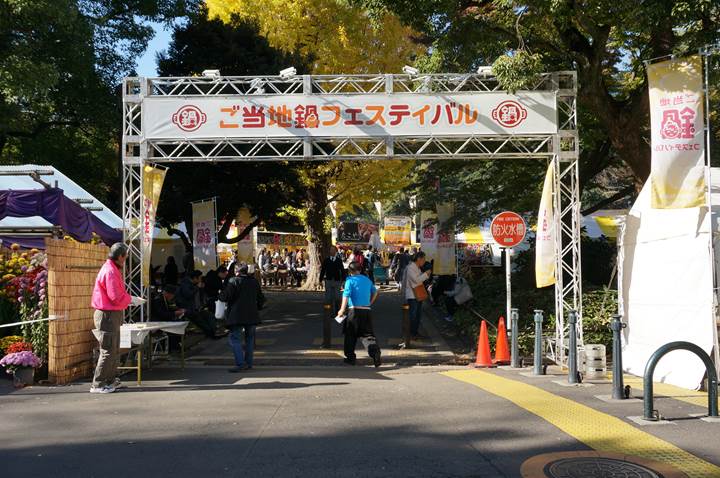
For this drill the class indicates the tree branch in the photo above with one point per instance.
(626, 191)
(183, 237)
(248, 229)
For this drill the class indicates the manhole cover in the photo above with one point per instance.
(594, 464)
(590, 467)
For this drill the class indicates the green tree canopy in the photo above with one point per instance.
(235, 48)
(605, 41)
(60, 67)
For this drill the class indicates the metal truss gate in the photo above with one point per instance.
(561, 149)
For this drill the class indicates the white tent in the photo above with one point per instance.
(667, 287)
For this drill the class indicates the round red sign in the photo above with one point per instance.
(189, 118)
(509, 114)
(508, 229)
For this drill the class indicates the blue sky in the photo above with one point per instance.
(146, 64)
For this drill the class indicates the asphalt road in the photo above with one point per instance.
(285, 420)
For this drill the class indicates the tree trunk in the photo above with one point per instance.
(319, 239)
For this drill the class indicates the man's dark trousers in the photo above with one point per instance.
(359, 325)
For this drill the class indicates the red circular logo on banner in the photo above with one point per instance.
(509, 114)
(508, 229)
(189, 118)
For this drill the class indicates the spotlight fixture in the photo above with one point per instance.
(409, 70)
(484, 71)
(288, 72)
(211, 73)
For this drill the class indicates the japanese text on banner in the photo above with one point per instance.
(153, 179)
(204, 235)
(678, 140)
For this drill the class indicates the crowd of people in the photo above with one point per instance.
(348, 277)
(286, 268)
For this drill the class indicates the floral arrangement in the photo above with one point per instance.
(19, 347)
(16, 360)
(23, 294)
(6, 342)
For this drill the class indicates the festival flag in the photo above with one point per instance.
(428, 233)
(545, 234)
(246, 246)
(153, 179)
(678, 148)
(204, 235)
(445, 263)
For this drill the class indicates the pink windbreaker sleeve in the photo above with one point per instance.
(109, 292)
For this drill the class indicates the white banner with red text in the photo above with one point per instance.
(342, 116)
(204, 235)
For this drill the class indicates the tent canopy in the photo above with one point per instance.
(23, 182)
(30, 209)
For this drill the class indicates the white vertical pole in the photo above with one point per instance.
(508, 273)
(705, 53)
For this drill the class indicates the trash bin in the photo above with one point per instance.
(595, 362)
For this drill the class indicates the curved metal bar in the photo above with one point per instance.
(649, 413)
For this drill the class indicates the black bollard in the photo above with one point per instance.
(537, 360)
(618, 391)
(572, 346)
(514, 348)
(649, 413)
(407, 337)
(327, 326)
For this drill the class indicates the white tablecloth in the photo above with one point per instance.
(139, 331)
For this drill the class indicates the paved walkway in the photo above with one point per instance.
(336, 422)
(291, 334)
(401, 420)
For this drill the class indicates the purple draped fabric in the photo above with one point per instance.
(58, 210)
(25, 242)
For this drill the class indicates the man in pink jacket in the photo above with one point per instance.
(109, 300)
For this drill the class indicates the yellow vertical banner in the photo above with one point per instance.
(245, 247)
(678, 141)
(445, 263)
(204, 235)
(545, 234)
(153, 179)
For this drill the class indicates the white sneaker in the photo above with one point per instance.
(105, 389)
(448, 318)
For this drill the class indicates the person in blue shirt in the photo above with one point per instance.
(358, 296)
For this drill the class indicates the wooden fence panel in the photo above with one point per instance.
(72, 268)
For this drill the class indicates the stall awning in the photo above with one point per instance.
(58, 210)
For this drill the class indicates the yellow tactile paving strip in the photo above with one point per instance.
(666, 390)
(599, 431)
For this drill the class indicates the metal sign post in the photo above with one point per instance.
(508, 282)
(508, 230)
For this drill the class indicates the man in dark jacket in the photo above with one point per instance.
(160, 308)
(214, 282)
(188, 297)
(332, 272)
(244, 299)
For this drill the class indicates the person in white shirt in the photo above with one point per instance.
(413, 278)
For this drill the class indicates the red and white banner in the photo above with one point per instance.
(328, 116)
(204, 235)
(678, 139)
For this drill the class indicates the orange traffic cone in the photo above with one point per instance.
(483, 358)
(502, 351)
